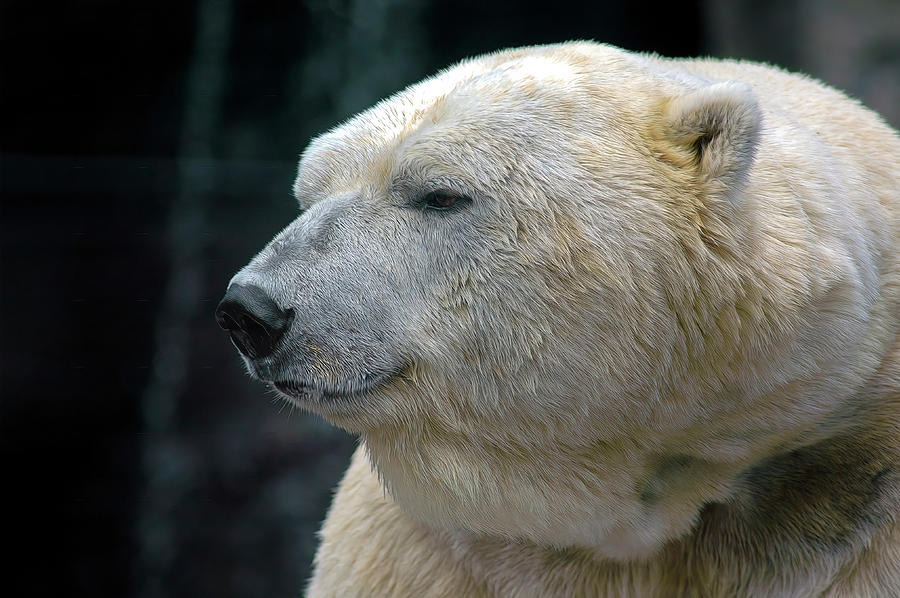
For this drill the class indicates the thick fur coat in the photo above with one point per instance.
(607, 324)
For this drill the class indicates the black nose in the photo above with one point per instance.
(255, 321)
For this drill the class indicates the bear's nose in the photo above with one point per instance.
(255, 321)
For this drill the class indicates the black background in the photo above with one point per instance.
(148, 151)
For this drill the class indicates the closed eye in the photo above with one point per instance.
(443, 200)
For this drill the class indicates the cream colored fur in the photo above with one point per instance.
(665, 362)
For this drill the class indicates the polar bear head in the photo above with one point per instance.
(533, 285)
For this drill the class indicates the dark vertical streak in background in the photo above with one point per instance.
(147, 151)
(167, 471)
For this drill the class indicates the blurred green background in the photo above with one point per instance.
(148, 151)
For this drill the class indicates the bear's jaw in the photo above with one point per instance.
(566, 497)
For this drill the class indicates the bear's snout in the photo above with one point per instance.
(255, 321)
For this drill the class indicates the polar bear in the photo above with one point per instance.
(607, 324)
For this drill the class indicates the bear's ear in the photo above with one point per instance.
(712, 133)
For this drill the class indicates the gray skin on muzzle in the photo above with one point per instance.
(367, 276)
(336, 268)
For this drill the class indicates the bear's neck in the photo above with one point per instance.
(828, 497)
(814, 521)
(620, 498)
(626, 504)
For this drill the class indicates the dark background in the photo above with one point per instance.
(148, 151)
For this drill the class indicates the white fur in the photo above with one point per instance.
(675, 264)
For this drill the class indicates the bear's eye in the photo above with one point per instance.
(443, 200)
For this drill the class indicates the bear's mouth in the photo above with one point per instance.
(298, 390)
(310, 392)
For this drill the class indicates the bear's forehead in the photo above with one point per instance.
(471, 93)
